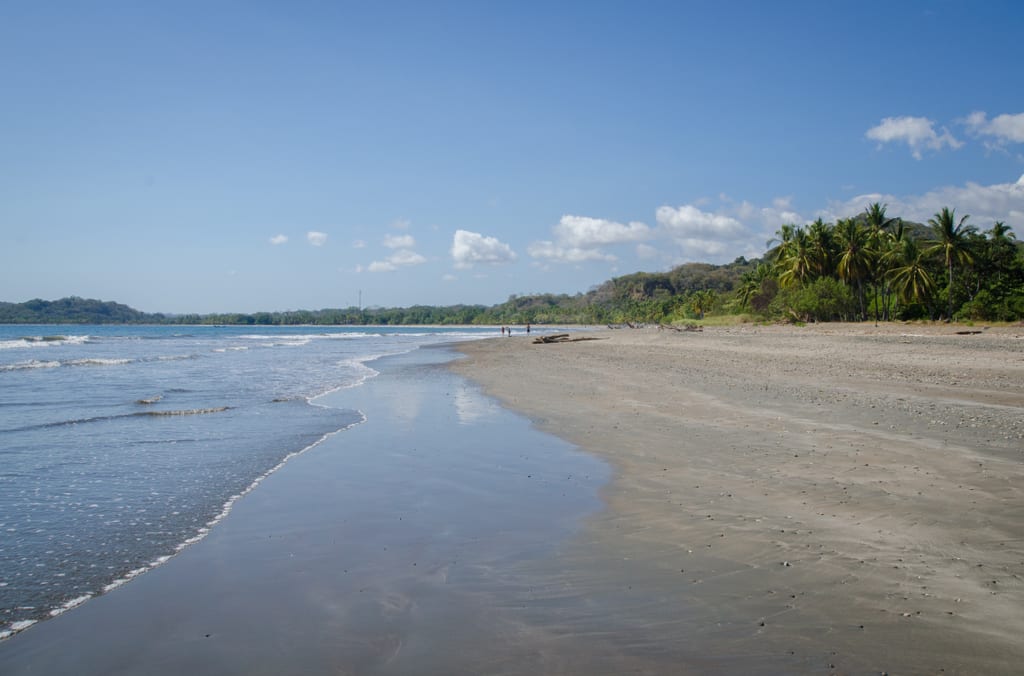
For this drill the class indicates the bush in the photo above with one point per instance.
(985, 307)
(822, 300)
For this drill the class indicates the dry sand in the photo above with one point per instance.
(837, 497)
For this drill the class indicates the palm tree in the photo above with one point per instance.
(909, 272)
(702, 301)
(855, 257)
(1001, 233)
(821, 236)
(875, 218)
(796, 260)
(750, 284)
(890, 243)
(879, 237)
(783, 236)
(952, 243)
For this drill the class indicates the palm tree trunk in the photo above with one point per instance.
(949, 290)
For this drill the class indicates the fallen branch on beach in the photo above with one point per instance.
(562, 338)
(688, 327)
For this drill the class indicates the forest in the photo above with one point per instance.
(869, 267)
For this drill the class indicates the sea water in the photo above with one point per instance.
(121, 445)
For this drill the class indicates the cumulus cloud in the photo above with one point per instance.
(359, 244)
(689, 221)
(278, 239)
(984, 203)
(316, 238)
(399, 259)
(470, 248)
(551, 251)
(917, 132)
(1000, 130)
(399, 241)
(719, 236)
(579, 238)
(586, 233)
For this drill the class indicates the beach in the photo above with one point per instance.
(830, 498)
(752, 499)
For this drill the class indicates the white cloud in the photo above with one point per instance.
(399, 259)
(586, 233)
(406, 257)
(470, 248)
(316, 238)
(737, 228)
(1004, 129)
(278, 239)
(359, 244)
(401, 224)
(984, 203)
(917, 132)
(578, 238)
(706, 247)
(688, 221)
(562, 254)
(448, 277)
(399, 241)
(772, 217)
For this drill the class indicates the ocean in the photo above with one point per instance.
(121, 445)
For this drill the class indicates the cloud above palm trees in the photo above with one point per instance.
(917, 132)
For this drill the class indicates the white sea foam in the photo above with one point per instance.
(97, 362)
(31, 364)
(14, 627)
(68, 605)
(175, 357)
(305, 338)
(42, 341)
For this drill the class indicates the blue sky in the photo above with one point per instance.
(243, 156)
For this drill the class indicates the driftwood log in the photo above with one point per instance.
(553, 338)
(562, 338)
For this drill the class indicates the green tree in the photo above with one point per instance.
(908, 273)
(880, 239)
(952, 243)
(702, 301)
(751, 284)
(795, 260)
(822, 247)
(855, 258)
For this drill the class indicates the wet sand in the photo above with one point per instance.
(832, 498)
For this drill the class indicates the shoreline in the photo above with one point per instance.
(842, 497)
(395, 547)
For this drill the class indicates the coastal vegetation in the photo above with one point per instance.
(869, 267)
